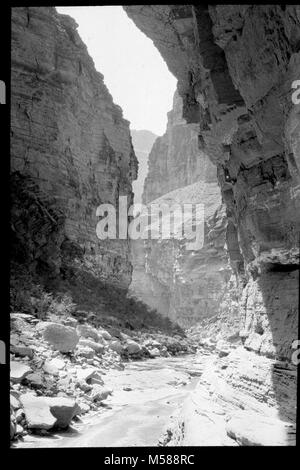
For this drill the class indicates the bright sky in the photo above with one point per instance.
(134, 71)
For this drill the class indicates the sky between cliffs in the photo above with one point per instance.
(134, 71)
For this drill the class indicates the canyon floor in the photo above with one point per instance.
(146, 396)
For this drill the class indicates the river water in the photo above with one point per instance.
(145, 396)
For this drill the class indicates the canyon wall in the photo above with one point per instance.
(186, 285)
(71, 150)
(235, 66)
(175, 159)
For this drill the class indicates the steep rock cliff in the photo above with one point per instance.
(186, 285)
(175, 159)
(235, 66)
(71, 150)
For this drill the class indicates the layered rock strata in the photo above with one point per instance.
(236, 66)
(71, 149)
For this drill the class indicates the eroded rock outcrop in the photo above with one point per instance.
(71, 149)
(235, 67)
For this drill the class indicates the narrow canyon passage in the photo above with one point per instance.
(135, 341)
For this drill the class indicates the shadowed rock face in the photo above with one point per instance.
(70, 147)
(235, 67)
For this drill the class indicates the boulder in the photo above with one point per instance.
(87, 331)
(35, 380)
(86, 352)
(63, 409)
(96, 379)
(154, 352)
(21, 350)
(100, 393)
(105, 334)
(133, 348)
(53, 366)
(14, 402)
(37, 412)
(86, 374)
(18, 371)
(116, 346)
(83, 408)
(62, 338)
(98, 348)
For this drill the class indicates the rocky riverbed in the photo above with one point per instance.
(146, 397)
(62, 369)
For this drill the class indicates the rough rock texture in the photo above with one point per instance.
(175, 159)
(186, 285)
(71, 148)
(61, 337)
(142, 142)
(235, 66)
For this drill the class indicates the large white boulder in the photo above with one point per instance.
(18, 371)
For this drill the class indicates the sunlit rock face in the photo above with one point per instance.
(70, 148)
(142, 141)
(175, 159)
(235, 66)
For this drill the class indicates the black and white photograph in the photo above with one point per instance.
(154, 228)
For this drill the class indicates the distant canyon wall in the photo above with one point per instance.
(186, 285)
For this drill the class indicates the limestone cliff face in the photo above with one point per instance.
(175, 159)
(186, 285)
(71, 148)
(235, 66)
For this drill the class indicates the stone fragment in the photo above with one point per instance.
(87, 331)
(18, 371)
(63, 409)
(98, 348)
(35, 380)
(21, 350)
(100, 393)
(14, 402)
(53, 366)
(86, 352)
(37, 412)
